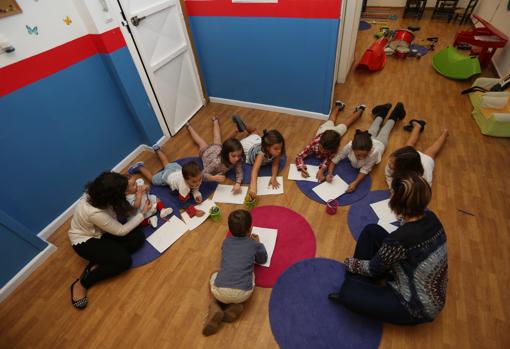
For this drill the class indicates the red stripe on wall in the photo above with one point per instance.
(284, 8)
(32, 69)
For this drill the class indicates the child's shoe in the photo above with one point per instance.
(153, 221)
(381, 110)
(241, 127)
(136, 167)
(213, 319)
(410, 125)
(398, 113)
(165, 212)
(340, 104)
(360, 107)
(156, 147)
(231, 312)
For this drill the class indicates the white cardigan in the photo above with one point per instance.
(91, 222)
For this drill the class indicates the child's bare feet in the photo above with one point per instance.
(215, 118)
(446, 133)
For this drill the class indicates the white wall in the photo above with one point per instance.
(87, 16)
(496, 13)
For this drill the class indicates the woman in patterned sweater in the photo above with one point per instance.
(399, 278)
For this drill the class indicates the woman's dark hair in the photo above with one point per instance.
(190, 169)
(410, 195)
(270, 138)
(406, 159)
(109, 190)
(330, 140)
(362, 141)
(239, 222)
(229, 146)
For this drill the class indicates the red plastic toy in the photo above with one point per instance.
(374, 57)
(485, 38)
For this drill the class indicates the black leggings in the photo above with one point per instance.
(110, 254)
(362, 295)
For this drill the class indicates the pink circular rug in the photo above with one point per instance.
(295, 241)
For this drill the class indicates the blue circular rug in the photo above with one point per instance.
(364, 25)
(264, 170)
(347, 173)
(361, 213)
(148, 253)
(302, 316)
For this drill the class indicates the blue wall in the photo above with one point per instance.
(18, 247)
(128, 81)
(61, 132)
(286, 62)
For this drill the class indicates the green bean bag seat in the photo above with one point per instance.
(454, 65)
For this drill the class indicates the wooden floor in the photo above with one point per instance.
(162, 304)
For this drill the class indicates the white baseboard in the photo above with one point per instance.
(26, 271)
(60, 220)
(297, 112)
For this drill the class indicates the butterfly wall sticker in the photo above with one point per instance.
(67, 20)
(32, 31)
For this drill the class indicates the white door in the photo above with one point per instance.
(348, 33)
(161, 38)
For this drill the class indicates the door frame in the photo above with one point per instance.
(346, 44)
(118, 15)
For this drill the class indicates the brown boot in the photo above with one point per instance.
(213, 320)
(232, 312)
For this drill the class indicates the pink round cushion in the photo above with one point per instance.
(295, 241)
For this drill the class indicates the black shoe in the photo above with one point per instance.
(80, 303)
(241, 127)
(381, 110)
(398, 113)
(409, 126)
(340, 104)
(334, 297)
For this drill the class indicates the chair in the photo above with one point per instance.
(414, 8)
(464, 13)
(491, 109)
(445, 9)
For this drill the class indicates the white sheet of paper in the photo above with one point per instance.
(224, 194)
(390, 228)
(383, 211)
(194, 222)
(167, 234)
(295, 175)
(329, 191)
(263, 187)
(268, 238)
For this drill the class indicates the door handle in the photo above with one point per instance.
(136, 20)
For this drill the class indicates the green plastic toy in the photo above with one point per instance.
(454, 65)
(249, 202)
(215, 213)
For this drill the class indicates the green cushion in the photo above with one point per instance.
(453, 64)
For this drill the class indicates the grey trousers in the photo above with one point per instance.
(381, 134)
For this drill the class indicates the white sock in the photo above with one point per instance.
(153, 221)
(166, 212)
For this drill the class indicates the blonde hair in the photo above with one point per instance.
(411, 195)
